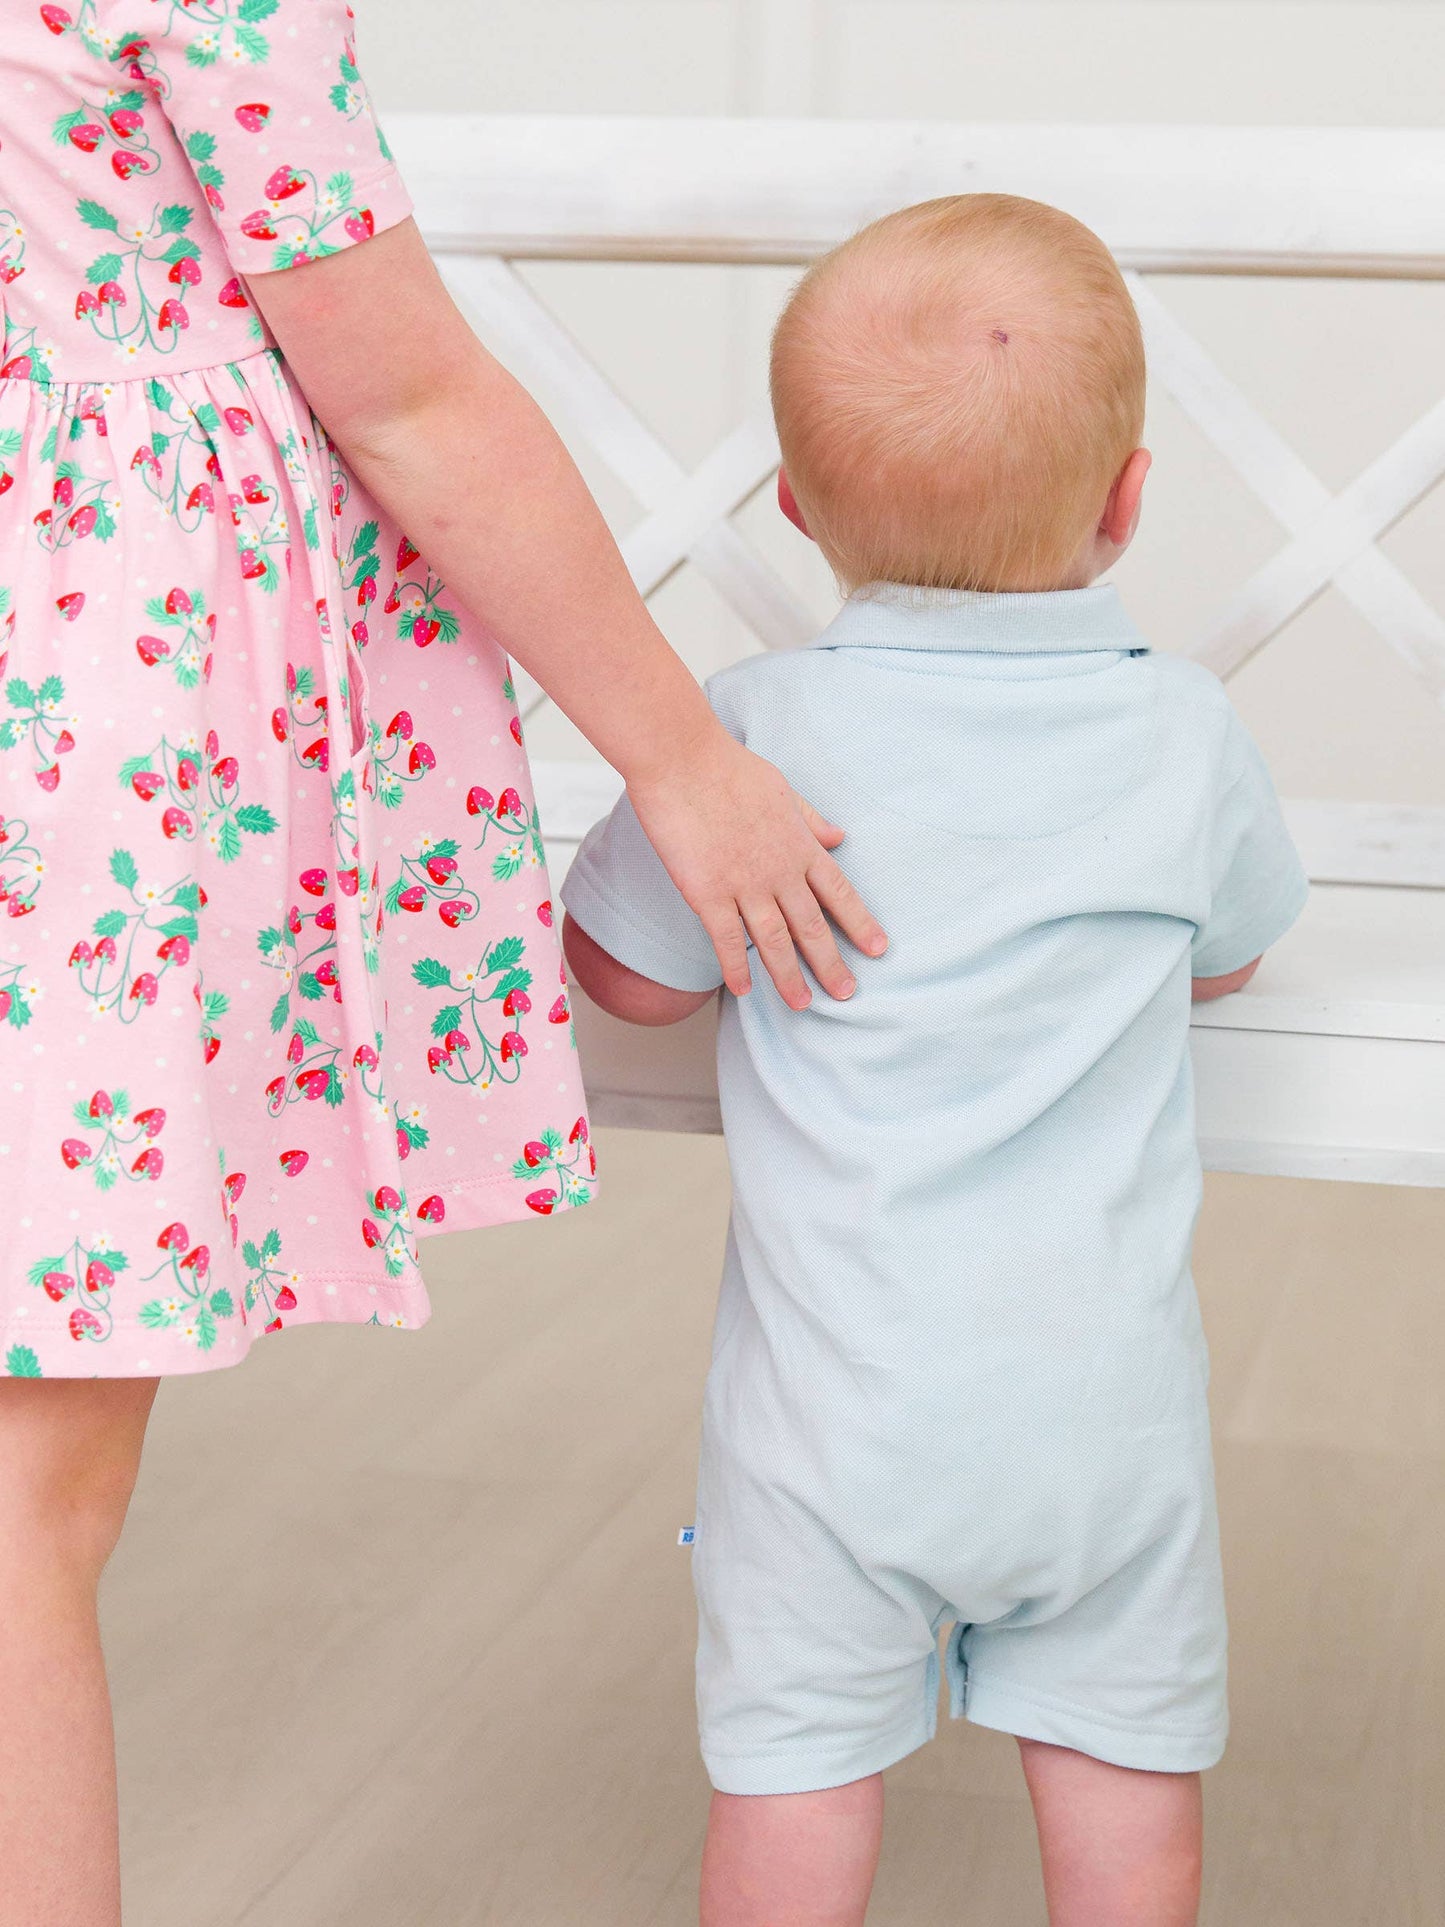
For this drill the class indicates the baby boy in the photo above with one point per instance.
(958, 1382)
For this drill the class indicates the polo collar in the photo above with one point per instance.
(892, 615)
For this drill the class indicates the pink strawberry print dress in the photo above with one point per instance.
(280, 988)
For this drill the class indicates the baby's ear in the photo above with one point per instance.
(788, 503)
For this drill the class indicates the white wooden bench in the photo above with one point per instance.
(1333, 1065)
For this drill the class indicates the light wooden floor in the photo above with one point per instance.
(401, 1636)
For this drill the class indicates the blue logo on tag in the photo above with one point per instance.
(688, 1536)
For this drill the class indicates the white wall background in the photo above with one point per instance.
(1341, 369)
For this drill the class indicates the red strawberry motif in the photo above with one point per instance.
(559, 1013)
(274, 1326)
(173, 1238)
(87, 136)
(173, 315)
(56, 18)
(510, 804)
(403, 1144)
(86, 303)
(203, 497)
(64, 743)
(422, 757)
(7, 481)
(365, 1057)
(456, 1040)
(371, 1233)
(360, 226)
(366, 591)
(85, 1324)
(413, 898)
(82, 954)
(239, 421)
(536, 1153)
(293, 920)
(147, 784)
(516, 1003)
(75, 1151)
(283, 184)
(5, 1004)
(435, 1058)
(253, 566)
(178, 603)
(49, 779)
(326, 917)
(150, 1164)
(57, 1284)
(543, 1203)
(176, 949)
(406, 553)
(513, 1045)
(253, 116)
(254, 489)
(105, 950)
(233, 295)
(578, 1133)
(232, 1189)
(213, 1049)
(348, 882)
(441, 867)
(313, 1084)
(424, 631)
(152, 1122)
(318, 754)
(124, 164)
(71, 605)
(14, 907)
(83, 521)
(285, 1300)
(453, 912)
(293, 1163)
(400, 725)
(387, 1199)
(227, 772)
(112, 294)
(258, 226)
(64, 492)
(145, 989)
(313, 882)
(198, 1261)
(188, 772)
(326, 974)
(393, 600)
(176, 823)
(544, 913)
(98, 1275)
(432, 1210)
(296, 1049)
(101, 1105)
(275, 1088)
(480, 802)
(517, 730)
(279, 725)
(126, 121)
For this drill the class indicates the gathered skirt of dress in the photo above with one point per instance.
(280, 987)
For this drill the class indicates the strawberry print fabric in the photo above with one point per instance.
(280, 988)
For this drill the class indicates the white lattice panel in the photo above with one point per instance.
(1335, 1065)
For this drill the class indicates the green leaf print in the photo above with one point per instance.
(340, 185)
(335, 1089)
(186, 927)
(52, 690)
(253, 45)
(509, 981)
(228, 840)
(176, 218)
(105, 267)
(96, 216)
(21, 1362)
(60, 132)
(154, 1316)
(255, 819)
(257, 9)
(50, 444)
(309, 529)
(309, 987)
(280, 1011)
(271, 1246)
(205, 1328)
(223, 1304)
(187, 896)
(11, 441)
(123, 869)
(19, 694)
(503, 955)
(110, 924)
(431, 974)
(184, 249)
(200, 146)
(449, 1017)
(308, 1033)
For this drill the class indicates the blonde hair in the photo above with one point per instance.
(957, 389)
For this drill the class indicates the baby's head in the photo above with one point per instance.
(959, 392)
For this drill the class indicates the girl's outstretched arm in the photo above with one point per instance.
(466, 462)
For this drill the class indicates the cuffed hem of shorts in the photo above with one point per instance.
(775, 1772)
(1147, 1749)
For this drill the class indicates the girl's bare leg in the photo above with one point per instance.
(1120, 1848)
(69, 1453)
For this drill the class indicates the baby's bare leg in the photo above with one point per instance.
(792, 1859)
(1120, 1848)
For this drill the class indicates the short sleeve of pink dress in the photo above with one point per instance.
(280, 990)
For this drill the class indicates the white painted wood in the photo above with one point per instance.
(1370, 843)
(1282, 480)
(1332, 1064)
(1281, 200)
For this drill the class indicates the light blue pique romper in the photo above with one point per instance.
(958, 1374)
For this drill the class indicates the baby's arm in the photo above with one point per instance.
(1206, 989)
(622, 992)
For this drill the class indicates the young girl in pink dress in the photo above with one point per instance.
(280, 990)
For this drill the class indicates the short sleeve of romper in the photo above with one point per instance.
(286, 148)
(1258, 885)
(621, 895)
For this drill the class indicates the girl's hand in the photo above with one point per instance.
(751, 858)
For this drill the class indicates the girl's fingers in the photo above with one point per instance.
(768, 928)
(847, 909)
(814, 937)
(828, 834)
(728, 938)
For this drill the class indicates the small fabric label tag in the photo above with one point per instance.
(688, 1536)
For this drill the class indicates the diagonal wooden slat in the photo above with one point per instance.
(1283, 481)
(534, 341)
